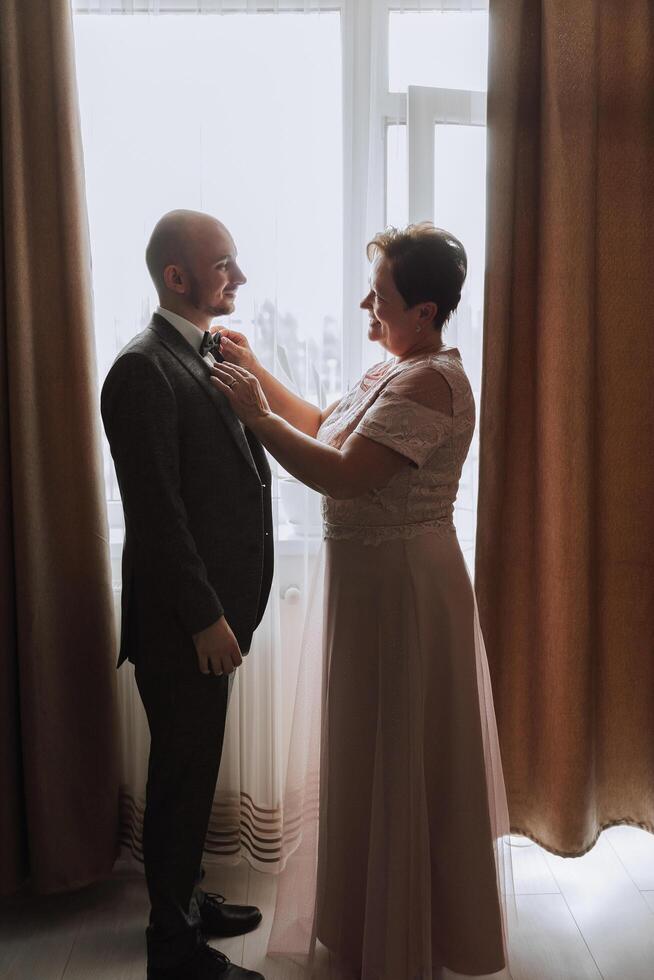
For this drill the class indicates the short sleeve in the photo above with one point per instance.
(412, 415)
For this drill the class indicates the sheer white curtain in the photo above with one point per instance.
(287, 119)
(233, 108)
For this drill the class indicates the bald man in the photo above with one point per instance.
(197, 571)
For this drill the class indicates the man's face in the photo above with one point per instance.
(212, 273)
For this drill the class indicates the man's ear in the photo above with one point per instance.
(174, 279)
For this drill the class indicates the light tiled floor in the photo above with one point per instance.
(578, 919)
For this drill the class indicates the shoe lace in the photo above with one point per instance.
(211, 954)
(214, 897)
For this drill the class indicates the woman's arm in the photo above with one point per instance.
(296, 411)
(360, 465)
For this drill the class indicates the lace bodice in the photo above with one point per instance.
(422, 408)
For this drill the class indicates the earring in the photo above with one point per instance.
(418, 328)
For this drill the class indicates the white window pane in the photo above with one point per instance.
(397, 188)
(460, 207)
(442, 49)
(239, 116)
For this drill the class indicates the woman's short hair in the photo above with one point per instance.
(429, 265)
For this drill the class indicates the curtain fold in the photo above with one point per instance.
(59, 766)
(564, 573)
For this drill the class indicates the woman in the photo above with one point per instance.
(412, 804)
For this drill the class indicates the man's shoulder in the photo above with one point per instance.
(142, 358)
(144, 351)
(145, 343)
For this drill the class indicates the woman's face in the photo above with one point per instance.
(391, 323)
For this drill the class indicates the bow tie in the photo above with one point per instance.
(210, 345)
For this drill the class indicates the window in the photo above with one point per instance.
(436, 169)
(298, 123)
(440, 48)
(253, 137)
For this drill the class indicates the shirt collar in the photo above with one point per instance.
(190, 332)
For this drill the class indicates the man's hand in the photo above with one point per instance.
(217, 649)
(235, 348)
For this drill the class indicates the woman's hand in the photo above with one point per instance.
(235, 348)
(243, 392)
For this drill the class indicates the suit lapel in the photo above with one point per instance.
(199, 369)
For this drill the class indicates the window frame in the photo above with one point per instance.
(363, 22)
(366, 96)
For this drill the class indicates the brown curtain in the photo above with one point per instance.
(58, 739)
(565, 548)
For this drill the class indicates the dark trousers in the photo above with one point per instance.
(186, 714)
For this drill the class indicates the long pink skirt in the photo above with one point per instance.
(396, 825)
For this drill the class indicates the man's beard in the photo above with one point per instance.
(195, 299)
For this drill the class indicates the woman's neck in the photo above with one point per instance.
(425, 349)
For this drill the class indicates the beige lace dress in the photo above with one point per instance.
(396, 748)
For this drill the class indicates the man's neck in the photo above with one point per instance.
(201, 320)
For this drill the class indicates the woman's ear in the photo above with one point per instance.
(427, 313)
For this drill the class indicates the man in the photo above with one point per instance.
(197, 571)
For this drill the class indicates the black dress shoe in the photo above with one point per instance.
(221, 920)
(205, 964)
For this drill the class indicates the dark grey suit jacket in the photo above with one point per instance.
(195, 487)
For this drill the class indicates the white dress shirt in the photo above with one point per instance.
(191, 333)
